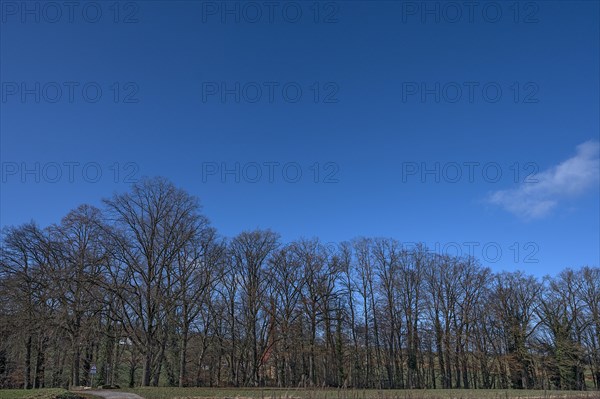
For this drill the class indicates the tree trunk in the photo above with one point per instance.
(27, 382)
(40, 364)
(75, 366)
(147, 372)
(183, 355)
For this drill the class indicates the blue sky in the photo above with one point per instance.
(470, 129)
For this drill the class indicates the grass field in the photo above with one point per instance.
(31, 394)
(258, 393)
(50, 393)
(188, 393)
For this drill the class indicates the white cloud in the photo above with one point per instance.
(568, 179)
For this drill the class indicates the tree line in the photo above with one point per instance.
(148, 293)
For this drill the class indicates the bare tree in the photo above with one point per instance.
(199, 265)
(589, 293)
(250, 252)
(516, 299)
(147, 289)
(152, 225)
(286, 276)
(75, 277)
(24, 267)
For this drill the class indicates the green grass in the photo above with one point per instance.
(31, 393)
(258, 393)
(50, 393)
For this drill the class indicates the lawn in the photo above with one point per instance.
(258, 393)
(188, 393)
(31, 393)
(50, 393)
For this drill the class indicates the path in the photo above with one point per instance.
(110, 394)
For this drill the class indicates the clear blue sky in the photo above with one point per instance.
(388, 89)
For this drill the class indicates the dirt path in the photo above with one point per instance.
(110, 394)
